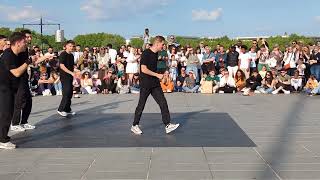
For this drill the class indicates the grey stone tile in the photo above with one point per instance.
(180, 175)
(50, 176)
(100, 175)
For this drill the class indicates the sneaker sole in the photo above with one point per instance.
(8, 148)
(61, 114)
(137, 133)
(173, 129)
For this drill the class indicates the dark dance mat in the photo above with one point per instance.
(93, 128)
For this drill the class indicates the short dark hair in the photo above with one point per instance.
(3, 36)
(25, 31)
(69, 42)
(15, 37)
(109, 45)
(244, 47)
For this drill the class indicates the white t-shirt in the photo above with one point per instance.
(253, 56)
(113, 55)
(244, 60)
(76, 56)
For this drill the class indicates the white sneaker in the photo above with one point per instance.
(28, 126)
(17, 128)
(221, 92)
(263, 91)
(171, 127)
(7, 145)
(72, 113)
(285, 91)
(136, 129)
(275, 92)
(63, 114)
(257, 92)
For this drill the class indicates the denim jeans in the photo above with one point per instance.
(315, 70)
(173, 74)
(316, 90)
(58, 86)
(191, 90)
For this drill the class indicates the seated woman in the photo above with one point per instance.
(86, 84)
(44, 85)
(252, 83)
(108, 83)
(123, 85)
(296, 82)
(240, 79)
(267, 84)
(189, 85)
(263, 71)
(55, 80)
(135, 87)
(76, 83)
(227, 83)
(166, 83)
(312, 83)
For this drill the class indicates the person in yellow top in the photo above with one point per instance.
(311, 84)
(167, 84)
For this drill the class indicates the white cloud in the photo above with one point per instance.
(317, 18)
(14, 14)
(204, 15)
(115, 9)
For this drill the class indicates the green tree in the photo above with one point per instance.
(136, 42)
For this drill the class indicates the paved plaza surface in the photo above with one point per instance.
(221, 137)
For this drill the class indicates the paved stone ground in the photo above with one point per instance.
(221, 137)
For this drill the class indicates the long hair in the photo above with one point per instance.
(242, 77)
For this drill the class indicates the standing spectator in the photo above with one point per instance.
(221, 59)
(283, 83)
(189, 85)
(227, 83)
(173, 68)
(289, 61)
(263, 55)
(253, 57)
(77, 54)
(112, 53)
(232, 61)
(103, 59)
(132, 64)
(315, 63)
(244, 61)
(3, 42)
(208, 60)
(192, 63)
(162, 60)
(166, 83)
(146, 38)
(275, 59)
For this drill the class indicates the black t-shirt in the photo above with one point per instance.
(181, 79)
(24, 78)
(68, 61)
(149, 59)
(232, 59)
(9, 61)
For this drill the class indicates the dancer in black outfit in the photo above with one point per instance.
(66, 60)
(150, 84)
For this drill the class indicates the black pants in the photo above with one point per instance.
(22, 108)
(6, 111)
(252, 85)
(67, 89)
(227, 89)
(158, 96)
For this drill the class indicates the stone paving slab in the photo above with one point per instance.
(280, 134)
